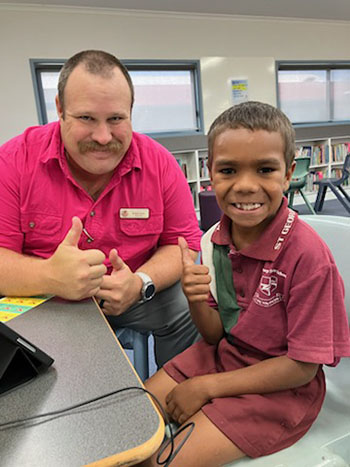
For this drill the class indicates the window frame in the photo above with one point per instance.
(324, 65)
(38, 66)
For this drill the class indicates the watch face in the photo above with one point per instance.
(149, 291)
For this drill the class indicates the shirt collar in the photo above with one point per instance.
(268, 246)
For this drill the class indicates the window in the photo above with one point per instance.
(311, 93)
(167, 94)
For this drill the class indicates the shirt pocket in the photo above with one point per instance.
(42, 233)
(140, 236)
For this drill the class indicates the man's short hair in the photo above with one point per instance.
(254, 116)
(96, 62)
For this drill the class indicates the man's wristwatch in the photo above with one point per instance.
(148, 289)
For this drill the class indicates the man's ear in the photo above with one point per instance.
(59, 108)
(288, 176)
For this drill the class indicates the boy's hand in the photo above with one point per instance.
(186, 399)
(195, 277)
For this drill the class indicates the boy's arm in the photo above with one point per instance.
(195, 284)
(270, 375)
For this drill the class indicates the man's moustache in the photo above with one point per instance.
(87, 146)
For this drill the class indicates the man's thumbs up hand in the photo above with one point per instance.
(75, 274)
(73, 236)
(121, 289)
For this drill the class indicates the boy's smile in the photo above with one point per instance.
(249, 176)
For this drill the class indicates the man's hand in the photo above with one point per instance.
(195, 277)
(186, 399)
(75, 274)
(121, 289)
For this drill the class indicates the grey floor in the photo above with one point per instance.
(330, 208)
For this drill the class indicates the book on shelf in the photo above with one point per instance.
(194, 194)
(318, 153)
(303, 151)
(315, 176)
(339, 151)
(337, 173)
(203, 168)
(206, 186)
(183, 166)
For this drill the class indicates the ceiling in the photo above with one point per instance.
(306, 9)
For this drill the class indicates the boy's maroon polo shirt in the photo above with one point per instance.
(290, 292)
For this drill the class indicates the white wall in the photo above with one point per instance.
(243, 48)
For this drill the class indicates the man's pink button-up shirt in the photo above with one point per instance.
(146, 204)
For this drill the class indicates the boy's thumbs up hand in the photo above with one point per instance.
(185, 252)
(195, 277)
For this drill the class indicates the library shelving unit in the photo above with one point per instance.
(326, 159)
(194, 165)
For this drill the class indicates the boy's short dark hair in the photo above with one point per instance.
(254, 116)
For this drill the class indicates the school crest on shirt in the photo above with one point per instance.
(269, 291)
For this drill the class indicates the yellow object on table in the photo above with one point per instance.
(10, 307)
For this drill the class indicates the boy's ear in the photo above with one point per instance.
(288, 176)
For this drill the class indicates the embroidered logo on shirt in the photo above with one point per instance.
(268, 285)
(269, 291)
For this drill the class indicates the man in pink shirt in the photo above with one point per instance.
(89, 208)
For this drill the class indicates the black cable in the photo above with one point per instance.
(61, 412)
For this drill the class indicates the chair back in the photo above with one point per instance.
(346, 168)
(302, 165)
(335, 231)
(300, 174)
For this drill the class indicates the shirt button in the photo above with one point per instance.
(239, 270)
(32, 224)
(92, 213)
(89, 240)
(241, 293)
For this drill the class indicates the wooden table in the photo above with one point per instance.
(121, 430)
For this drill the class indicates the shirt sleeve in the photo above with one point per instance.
(318, 329)
(179, 213)
(11, 236)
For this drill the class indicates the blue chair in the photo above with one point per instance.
(138, 342)
(334, 184)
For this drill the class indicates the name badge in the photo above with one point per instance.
(134, 213)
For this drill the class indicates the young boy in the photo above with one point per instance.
(275, 312)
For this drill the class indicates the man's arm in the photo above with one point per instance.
(70, 273)
(122, 288)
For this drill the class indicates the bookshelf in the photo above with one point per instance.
(194, 166)
(326, 159)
